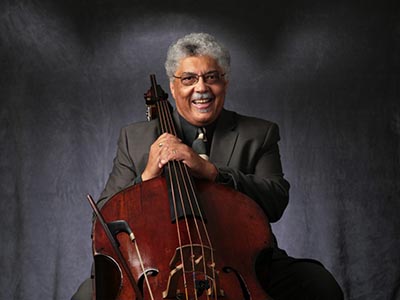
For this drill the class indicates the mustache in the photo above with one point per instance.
(206, 95)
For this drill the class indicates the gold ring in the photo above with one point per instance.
(160, 145)
(174, 151)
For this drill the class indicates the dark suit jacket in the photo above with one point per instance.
(244, 149)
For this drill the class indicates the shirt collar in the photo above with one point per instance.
(189, 131)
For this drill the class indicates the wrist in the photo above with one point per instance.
(146, 176)
(213, 172)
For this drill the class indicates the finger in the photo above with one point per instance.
(169, 154)
(170, 138)
(161, 139)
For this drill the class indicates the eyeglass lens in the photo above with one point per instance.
(191, 78)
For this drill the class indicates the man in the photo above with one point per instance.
(243, 154)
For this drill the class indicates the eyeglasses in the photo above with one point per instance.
(189, 79)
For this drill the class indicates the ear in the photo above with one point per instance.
(226, 83)
(172, 88)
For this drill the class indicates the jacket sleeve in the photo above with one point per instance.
(264, 183)
(123, 173)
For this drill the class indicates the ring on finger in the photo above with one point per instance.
(160, 145)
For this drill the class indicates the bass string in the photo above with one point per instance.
(165, 127)
(207, 237)
(180, 170)
(190, 190)
(192, 196)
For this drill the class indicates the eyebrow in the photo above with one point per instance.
(192, 73)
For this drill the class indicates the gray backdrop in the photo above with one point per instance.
(73, 72)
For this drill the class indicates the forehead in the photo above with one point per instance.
(198, 65)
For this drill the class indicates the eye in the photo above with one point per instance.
(211, 77)
(188, 79)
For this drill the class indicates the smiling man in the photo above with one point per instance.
(199, 88)
(243, 154)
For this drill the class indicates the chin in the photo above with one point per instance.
(205, 120)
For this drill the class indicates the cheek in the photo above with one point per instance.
(219, 92)
(184, 94)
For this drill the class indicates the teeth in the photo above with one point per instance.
(201, 101)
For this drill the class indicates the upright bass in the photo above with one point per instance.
(174, 237)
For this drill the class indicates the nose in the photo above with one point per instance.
(201, 86)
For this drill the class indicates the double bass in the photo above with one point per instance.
(175, 237)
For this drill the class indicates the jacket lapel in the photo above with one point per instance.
(224, 139)
(177, 122)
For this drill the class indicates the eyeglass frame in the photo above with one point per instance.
(197, 76)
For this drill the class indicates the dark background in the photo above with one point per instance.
(73, 72)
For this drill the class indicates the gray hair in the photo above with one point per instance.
(197, 44)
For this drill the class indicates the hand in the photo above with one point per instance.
(168, 148)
